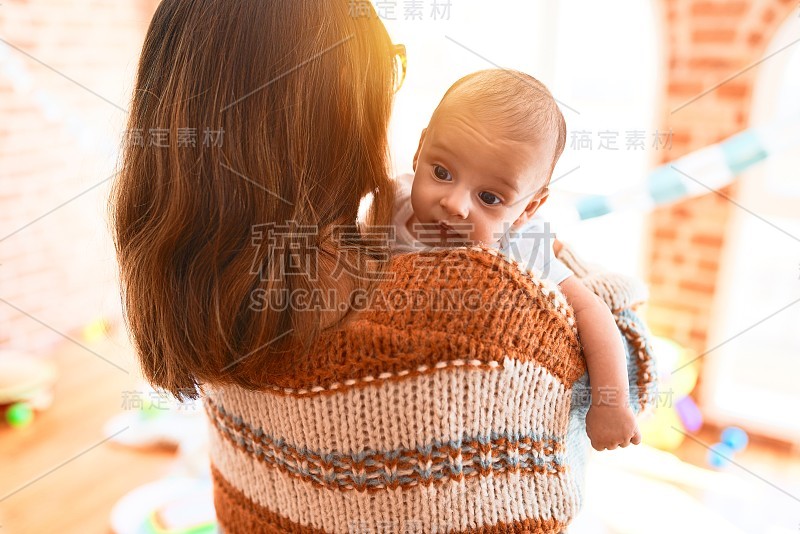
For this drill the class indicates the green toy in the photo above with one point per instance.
(19, 414)
(26, 384)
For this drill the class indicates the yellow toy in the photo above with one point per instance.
(659, 426)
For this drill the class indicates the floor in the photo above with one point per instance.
(642, 489)
(58, 474)
(61, 474)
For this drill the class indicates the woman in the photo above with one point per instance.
(346, 392)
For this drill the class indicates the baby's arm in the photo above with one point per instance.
(610, 421)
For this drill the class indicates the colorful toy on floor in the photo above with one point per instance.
(19, 414)
(719, 455)
(179, 505)
(733, 440)
(675, 411)
(155, 420)
(26, 385)
(96, 330)
(690, 414)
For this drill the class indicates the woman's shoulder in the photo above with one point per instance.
(440, 309)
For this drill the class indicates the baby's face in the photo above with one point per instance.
(471, 183)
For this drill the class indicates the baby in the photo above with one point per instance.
(481, 172)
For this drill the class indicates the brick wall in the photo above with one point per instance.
(57, 140)
(706, 43)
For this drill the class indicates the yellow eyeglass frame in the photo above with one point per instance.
(401, 65)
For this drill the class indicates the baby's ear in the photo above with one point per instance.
(419, 148)
(534, 203)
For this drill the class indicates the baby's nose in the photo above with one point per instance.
(456, 204)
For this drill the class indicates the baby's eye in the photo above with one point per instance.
(489, 198)
(441, 173)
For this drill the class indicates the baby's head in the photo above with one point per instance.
(484, 161)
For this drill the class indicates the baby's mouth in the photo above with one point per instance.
(449, 234)
(440, 233)
(446, 227)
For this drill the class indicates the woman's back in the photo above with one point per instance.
(443, 407)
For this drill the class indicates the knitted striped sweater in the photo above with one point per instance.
(449, 405)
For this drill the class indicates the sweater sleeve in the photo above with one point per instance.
(624, 295)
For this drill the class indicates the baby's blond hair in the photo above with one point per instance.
(514, 102)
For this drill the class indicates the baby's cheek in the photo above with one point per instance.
(425, 201)
(416, 204)
(487, 232)
(498, 227)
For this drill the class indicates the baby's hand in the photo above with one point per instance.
(611, 426)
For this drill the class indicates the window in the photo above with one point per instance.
(752, 378)
(599, 59)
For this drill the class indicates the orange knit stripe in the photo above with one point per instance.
(530, 324)
(238, 514)
(407, 355)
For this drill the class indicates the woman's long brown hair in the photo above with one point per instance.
(246, 116)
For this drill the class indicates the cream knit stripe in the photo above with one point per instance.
(519, 397)
(345, 384)
(474, 502)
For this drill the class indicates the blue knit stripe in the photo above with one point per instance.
(436, 461)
